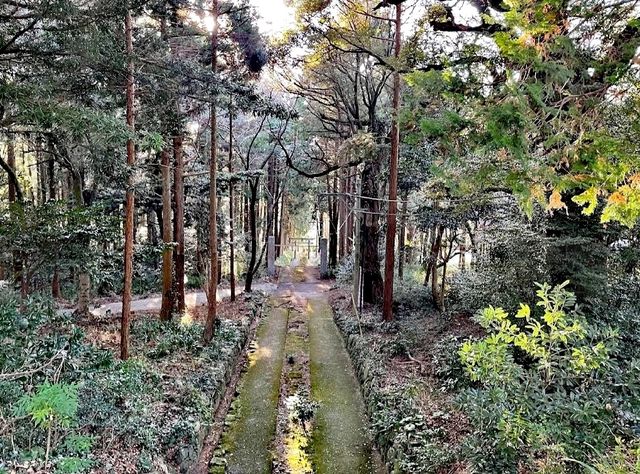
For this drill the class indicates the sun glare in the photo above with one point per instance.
(276, 16)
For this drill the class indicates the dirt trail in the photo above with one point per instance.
(154, 303)
(339, 441)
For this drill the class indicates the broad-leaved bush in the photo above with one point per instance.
(546, 383)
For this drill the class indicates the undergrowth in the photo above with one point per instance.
(67, 406)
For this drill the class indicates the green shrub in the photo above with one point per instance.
(446, 363)
(72, 465)
(53, 409)
(50, 406)
(547, 386)
(619, 307)
(505, 272)
(411, 443)
(412, 298)
(303, 409)
(157, 412)
(195, 281)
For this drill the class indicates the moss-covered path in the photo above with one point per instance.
(339, 440)
(247, 443)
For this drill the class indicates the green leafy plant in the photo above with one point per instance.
(446, 364)
(78, 444)
(543, 385)
(52, 406)
(303, 409)
(556, 341)
(72, 465)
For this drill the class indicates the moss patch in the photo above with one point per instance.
(341, 441)
(293, 426)
(246, 444)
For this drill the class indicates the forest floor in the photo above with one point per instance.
(299, 407)
(150, 413)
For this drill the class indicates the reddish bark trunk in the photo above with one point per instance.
(178, 183)
(387, 306)
(167, 239)
(213, 197)
(130, 200)
(55, 284)
(232, 245)
(372, 284)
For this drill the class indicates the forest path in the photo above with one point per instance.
(340, 442)
(247, 441)
(154, 303)
(341, 439)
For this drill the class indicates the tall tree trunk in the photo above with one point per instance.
(130, 199)
(136, 225)
(432, 256)
(15, 193)
(333, 239)
(333, 222)
(402, 238)
(178, 225)
(232, 244)
(435, 251)
(152, 228)
(342, 215)
(55, 283)
(372, 283)
(253, 198)
(387, 306)
(202, 246)
(472, 244)
(213, 193)
(446, 256)
(167, 239)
